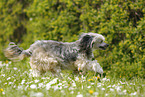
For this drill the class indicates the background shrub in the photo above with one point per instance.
(121, 22)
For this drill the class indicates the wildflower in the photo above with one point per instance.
(23, 81)
(82, 87)
(106, 94)
(98, 77)
(49, 78)
(14, 86)
(1, 90)
(103, 89)
(20, 87)
(64, 82)
(133, 93)
(31, 19)
(83, 78)
(89, 87)
(43, 78)
(10, 83)
(60, 84)
(132, 84)
(76, 79)
(122, 82)
(95, 93)
(114, 85)
(1, 63)
(71, 88)
(90, 80)
(30, 69)
(71, 92)
(111, 89)
(36, 81)
(79, 69)
(109, 86)
(79, 95)
(124, 91)
(104, 79)
(118, 88)
(7, 61)
(94, 77)
(56, 88)
(99, 85)
(26, 87)
(15, 68)
(3, 93)
(65, 87)
(40, 85)
(8, 78)
(3, 75)
(48, 86)
(92, 83)
(33, 86)
(5, 83)
(108, 79)
(39, 94)
(74, 84)
(91, 91)
(54, 81)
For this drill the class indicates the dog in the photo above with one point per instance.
(54, 56)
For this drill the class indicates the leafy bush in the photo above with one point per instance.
(121, 22)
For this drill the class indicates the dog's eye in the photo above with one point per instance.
(101, 41)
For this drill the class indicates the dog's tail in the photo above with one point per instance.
(14, 53)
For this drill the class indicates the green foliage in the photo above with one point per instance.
(121, 22)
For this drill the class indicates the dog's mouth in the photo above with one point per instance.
(103, 46)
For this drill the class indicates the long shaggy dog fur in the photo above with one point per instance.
(49, 55)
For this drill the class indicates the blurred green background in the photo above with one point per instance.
(122, 22)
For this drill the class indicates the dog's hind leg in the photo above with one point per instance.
(56, 72)
(35, 72)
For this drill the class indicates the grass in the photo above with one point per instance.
(16, 81)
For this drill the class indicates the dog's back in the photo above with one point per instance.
(61, 51)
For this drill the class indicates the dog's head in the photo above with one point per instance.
(93, 41)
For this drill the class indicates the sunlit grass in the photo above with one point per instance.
(16, 80)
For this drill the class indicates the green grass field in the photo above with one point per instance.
(16, 81)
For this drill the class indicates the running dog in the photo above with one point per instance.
(54, 56)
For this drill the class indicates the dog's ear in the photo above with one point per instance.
(86, 42)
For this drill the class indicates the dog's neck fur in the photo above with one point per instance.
(85, 46)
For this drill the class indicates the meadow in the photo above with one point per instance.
(121, 22)
(16, 81)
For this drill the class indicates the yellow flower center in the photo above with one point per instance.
(91, 91)
(98, 77)
(90, 79)
(1, 90)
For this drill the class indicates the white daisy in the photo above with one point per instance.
(79, 95)
(33, 86)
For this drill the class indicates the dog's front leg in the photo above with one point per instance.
(96, 67)
(56, 72)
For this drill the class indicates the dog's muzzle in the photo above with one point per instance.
(103, 46)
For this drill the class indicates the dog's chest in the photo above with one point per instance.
(73, 65)
(68, 66)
